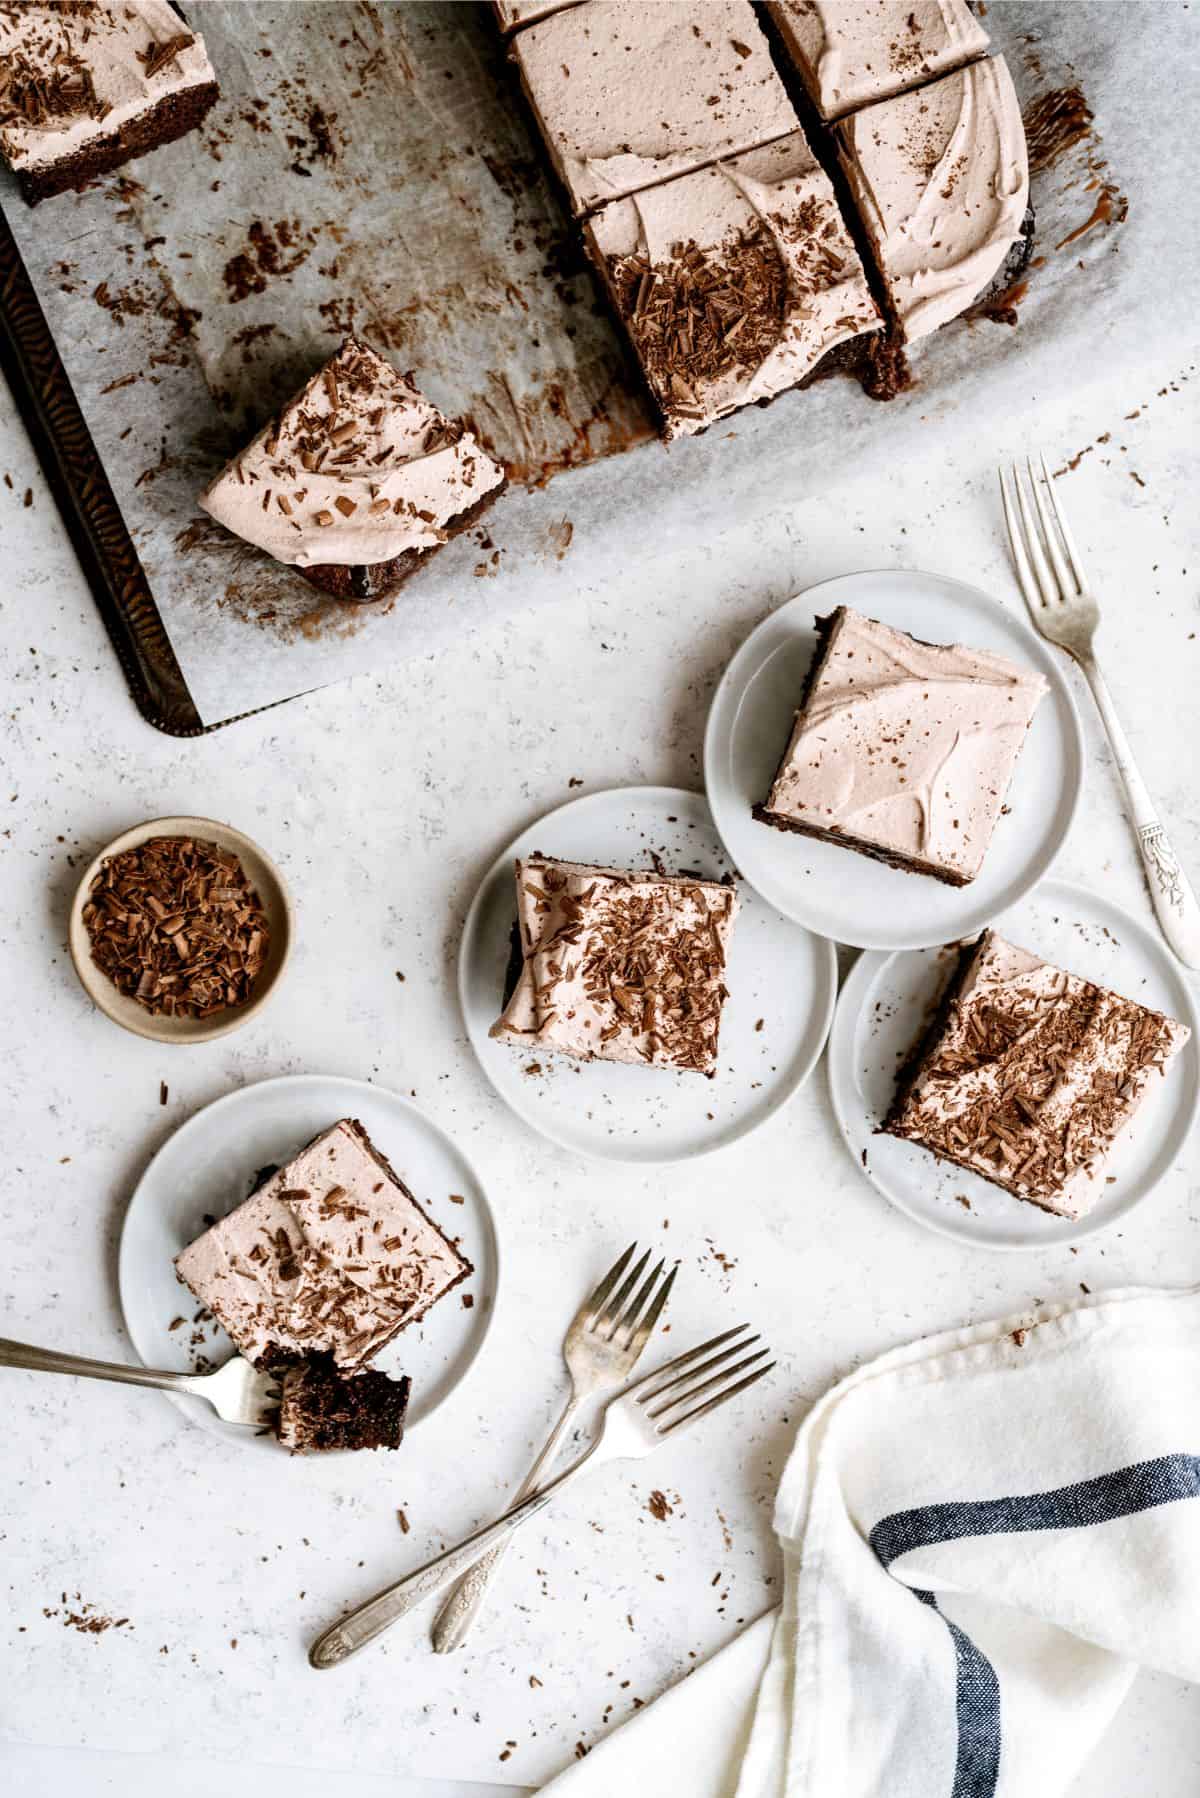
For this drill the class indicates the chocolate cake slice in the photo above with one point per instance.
(321, 1408)
(1028, 1075)
(86, 85)
(619, 965)
(358, 481)
(734, 283)
(902, 750)
(330, 1255)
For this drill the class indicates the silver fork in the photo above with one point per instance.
(633, 1425)
(237, 1392)
(601, 1349)
(1065, 611)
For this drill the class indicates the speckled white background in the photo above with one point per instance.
(384, 800)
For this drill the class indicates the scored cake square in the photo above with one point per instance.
(903, 750)
(627, 95)
(332, 1254)
(734, 283)
(619, 966)
(1028, 1075)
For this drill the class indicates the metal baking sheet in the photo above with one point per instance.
(371, 167)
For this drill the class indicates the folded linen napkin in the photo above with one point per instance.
(984, 1535)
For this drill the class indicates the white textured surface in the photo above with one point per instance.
(384, 801)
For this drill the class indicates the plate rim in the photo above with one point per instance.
(470, 932)
(488, 1314)
(841, 1041)
(1041, 657)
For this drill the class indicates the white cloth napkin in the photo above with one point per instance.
(984, 1535)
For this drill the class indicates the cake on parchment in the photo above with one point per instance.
(618, 965)
(331, 1255)
(87, 84)
(628, 94)
(1029, 1074)
(903, 750)
(358, 481)
(734, 283)
(849, 53)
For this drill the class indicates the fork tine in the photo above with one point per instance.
(616, 1304)
(651, 1384)
(1073, 555)
(641, 1334)
(1016, 540)
(597, 1300)
(720, 1378)
(1062, 574)
(1041, 568)
(633, 1310)
(669, 1376)
(719, 1398)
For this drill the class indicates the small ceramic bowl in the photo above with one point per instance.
(267, 882)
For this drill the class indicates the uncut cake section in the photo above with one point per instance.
(618, 965)
(86, 85)
(902, 750)
(1029, 1075)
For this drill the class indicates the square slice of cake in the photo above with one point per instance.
(323, 1409)
(941, 179)
(619, 966)
(903, 750)
(331, 1255)
(87, 85)
(734, 283)
(627, 95)
(1029, 1074)
(851, 52)
(358, 481)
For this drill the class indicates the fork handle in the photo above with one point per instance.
(453, 1622)
(41, 1360)
(1171, 894)
(351, 1633)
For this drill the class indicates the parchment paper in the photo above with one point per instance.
(369, 166)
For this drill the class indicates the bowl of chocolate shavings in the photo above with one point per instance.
(180, 929)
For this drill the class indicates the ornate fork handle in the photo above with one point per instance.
(41, 1360)
(1171, 895)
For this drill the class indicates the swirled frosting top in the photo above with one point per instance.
(75, 72)
(1033, 1075)
(629, 94)
(753, 258)
(904, 746)
(941, 178)
(357, 468)
(851, 52)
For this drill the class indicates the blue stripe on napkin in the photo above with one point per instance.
(1141, 1487)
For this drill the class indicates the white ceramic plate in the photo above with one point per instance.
(209, 1166)
(888, 999)
(782, 985)
(835, 891)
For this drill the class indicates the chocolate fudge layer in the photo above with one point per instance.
(733, 283)
(322, 1409)
(84, 86)
(1029, 1075)
(628, 94)
(941, 180)
(851, 52)
(358, 481)
(903, 750)
(332, 1254)
(619, 966)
